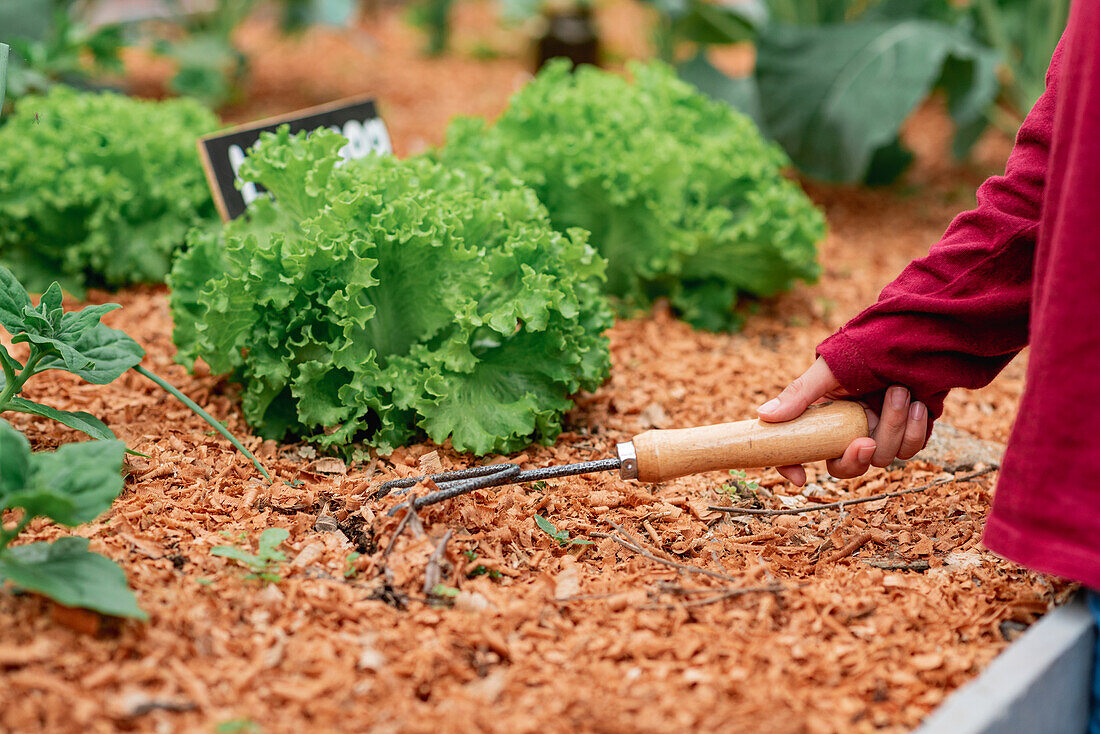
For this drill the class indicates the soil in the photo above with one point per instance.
(862, 620)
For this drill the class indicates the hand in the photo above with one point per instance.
(900, 433)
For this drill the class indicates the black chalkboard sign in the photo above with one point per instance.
(223, 152)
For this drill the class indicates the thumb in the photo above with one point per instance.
(811, 386)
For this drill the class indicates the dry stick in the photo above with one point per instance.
(410, 511)
(433, 574)
(919, 566)
(632, 546)
(845, 503)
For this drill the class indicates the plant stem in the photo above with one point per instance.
(16, 382)
(3, 74)
(205, 416)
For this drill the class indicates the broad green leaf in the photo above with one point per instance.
(834, 95)
(73, 485)
(13, 300)
(78, 419)
(706, 22)
(15, 461)
(67, 572)
(108, 353)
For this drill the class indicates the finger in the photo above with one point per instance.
(916, 431)
(813, 384)
(891, 426)
(796, 474)
(855, 461)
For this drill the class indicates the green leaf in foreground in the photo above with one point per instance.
(70, 486)
(67, 572)
(75, 342)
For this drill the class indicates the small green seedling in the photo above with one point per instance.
(265, 562)
(70, 486)
(562, 536)
(349, 564)
(75, 342)
(238, 726)
(740, 486)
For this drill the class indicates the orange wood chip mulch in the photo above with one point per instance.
(874, 615)
(539, 637)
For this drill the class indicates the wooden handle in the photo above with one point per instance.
(822, 432)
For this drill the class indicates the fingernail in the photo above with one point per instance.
(864, 454)
(917, 411)
(898, 396)
(769, 406)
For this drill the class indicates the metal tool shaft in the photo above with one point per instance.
(454, 483)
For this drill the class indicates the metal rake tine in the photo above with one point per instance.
(443, 478)
(502, 474)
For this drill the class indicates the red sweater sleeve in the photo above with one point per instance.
(957, 316)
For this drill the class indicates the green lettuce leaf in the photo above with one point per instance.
(381, 299)
(677, 190)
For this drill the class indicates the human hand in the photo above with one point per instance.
(899, 433)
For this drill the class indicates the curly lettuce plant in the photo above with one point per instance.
(385, 298)
(682, 194)
(98, 189)
(70, 486)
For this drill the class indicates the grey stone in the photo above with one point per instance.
(956, 450)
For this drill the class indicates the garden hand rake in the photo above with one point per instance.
(822, 432)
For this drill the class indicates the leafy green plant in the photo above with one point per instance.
(561, 536)
(376, 299)
(682, 194)
(49, 45)
(75, 342)
(99, 189)
(70, 486)
(264, 563)
(833, 81)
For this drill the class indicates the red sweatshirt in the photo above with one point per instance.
(1023, 267)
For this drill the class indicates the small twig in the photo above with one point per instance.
(845, 503)
(410, 512)
(149, 706)
(633, 546)
(433, 574)
(918, 566)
